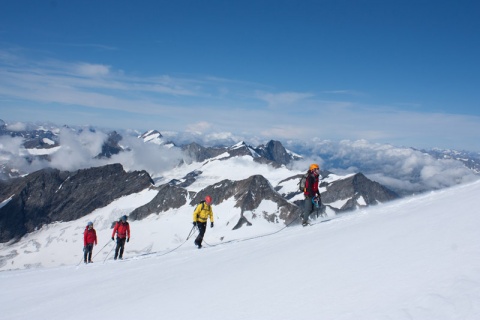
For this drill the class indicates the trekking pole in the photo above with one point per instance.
(190, 233)
(108, 254)
(81, 259)
(316, 204)
(101, 249)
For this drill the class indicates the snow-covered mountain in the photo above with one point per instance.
(253, 195)
(414, 258)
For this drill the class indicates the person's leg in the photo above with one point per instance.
(90, 251)
(307, 209)
(117, 248)
(202, 227)
(122, 247)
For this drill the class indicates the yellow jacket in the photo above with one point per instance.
(202, 212)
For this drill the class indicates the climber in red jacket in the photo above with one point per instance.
(122, 229)
(89, 240)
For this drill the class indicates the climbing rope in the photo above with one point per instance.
(255, 237)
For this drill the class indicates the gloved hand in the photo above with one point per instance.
(194, 223)
(84, 249)
(211, 224)
(128, 239)
(316, 201)
(113, 239)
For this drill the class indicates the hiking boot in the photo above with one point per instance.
(305, 223)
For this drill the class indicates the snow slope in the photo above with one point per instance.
(416, 258)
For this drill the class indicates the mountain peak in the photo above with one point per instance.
(152, 136)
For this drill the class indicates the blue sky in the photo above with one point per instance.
(399, 72)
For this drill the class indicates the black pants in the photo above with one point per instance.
(202, 227)
(87, 252)
(120, 246)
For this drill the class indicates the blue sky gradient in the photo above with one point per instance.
(399, 72)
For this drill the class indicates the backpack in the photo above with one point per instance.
(302, 182)
(201, 203)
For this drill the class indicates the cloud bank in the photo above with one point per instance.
(404, 170)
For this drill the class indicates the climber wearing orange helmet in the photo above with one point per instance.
(311, 192)
(202, 212)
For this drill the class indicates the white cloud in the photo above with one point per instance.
(283, 98)
(395, 167)
(11, 145)
(153, 158)
(14, 156)
(78, 150)
(199, 127)
(92, 70)
(16, 126)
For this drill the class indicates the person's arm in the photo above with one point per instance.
(114, 230)
(211, 214)
(196, 212)
(211, 217)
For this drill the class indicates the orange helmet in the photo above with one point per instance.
(313, 166)
(208, 199)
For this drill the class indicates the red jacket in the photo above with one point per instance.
(89, 236)
(122, 229)
(311, 185)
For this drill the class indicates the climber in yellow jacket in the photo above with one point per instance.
(202, 212)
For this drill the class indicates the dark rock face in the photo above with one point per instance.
(199, 153)
(274, 151)
(51, 195)
(111, 146)
(190, 178)
(168, 197)
(355, 187)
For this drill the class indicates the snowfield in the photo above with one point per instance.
(416, 258)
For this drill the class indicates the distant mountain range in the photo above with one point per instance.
(471, 160)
